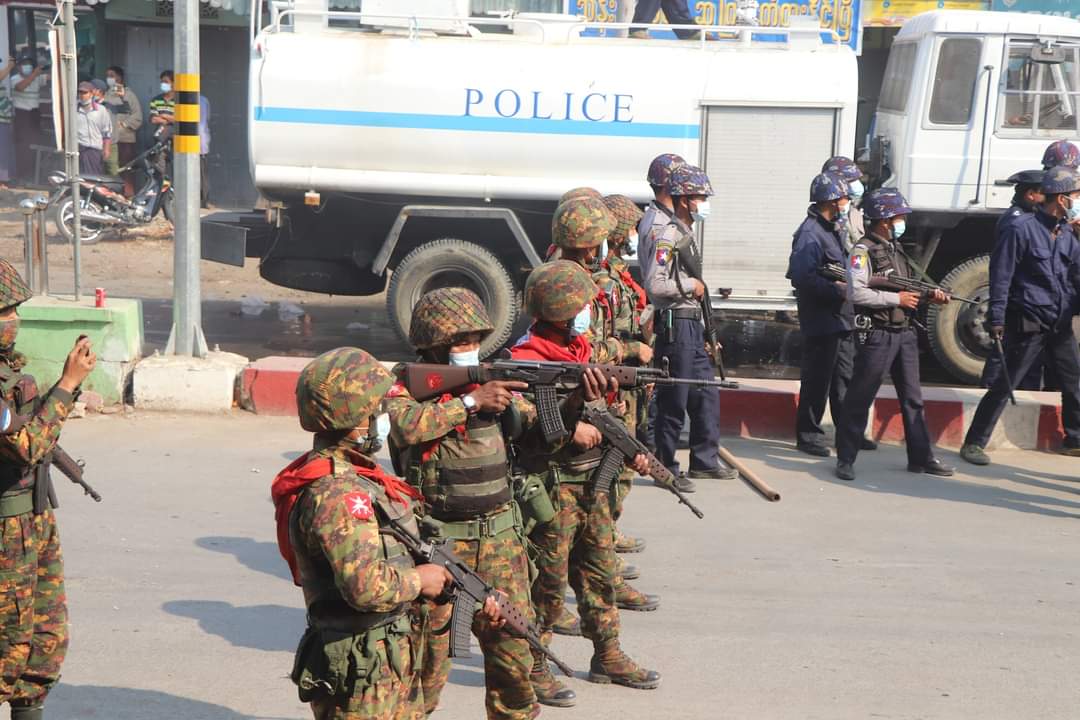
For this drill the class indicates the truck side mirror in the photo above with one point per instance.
(1048, 54)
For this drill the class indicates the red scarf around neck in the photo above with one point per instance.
(546, 343)
(305, 470)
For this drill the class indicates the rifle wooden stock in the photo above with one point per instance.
(749, 477)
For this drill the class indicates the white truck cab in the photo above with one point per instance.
(968, 99)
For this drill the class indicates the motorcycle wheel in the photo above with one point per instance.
(168, 206)
(64, 217)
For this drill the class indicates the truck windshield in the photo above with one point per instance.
(898, 73)
(1040, 97)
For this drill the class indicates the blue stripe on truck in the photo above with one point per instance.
(420, 121)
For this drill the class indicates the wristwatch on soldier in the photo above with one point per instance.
(470, 404)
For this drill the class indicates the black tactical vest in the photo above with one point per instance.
(886, 257)
(326, 607)
(20, 391)
(466, 474)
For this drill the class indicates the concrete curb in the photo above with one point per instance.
(174, 383)
(766, 409)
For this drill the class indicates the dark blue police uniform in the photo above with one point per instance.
(1034, 273)
(825, 319)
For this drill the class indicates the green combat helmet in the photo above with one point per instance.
(581, 223)
(627, 215)
(443, 314)
(580, 192)
(340, 389)
(556, 291)
(13, 290)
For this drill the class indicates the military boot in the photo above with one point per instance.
(626, 570)
(567, 624)
(22, 712)
(627, 597)
(628, 543)
(611, 665)
(549, 691)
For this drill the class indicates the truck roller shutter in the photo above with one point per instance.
(761, 161)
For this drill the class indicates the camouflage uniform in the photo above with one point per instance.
(34, 607)
(457, 459)
(359, 657)
(578, 544)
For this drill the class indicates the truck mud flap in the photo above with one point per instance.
(229, 238)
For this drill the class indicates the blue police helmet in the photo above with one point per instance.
(689, 180)
(660, 168)
(1027, 177)
(884, 203)
(827, 186)
(843, 167)
(1061, 152)
(1061, 179)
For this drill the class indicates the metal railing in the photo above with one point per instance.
(35, 243)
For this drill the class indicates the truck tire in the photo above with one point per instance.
(957, 331)
(449, 262)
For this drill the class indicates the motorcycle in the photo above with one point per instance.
(102, 204)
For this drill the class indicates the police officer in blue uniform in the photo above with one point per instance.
(889, 345)
(680, 335)
(825, 313)
(1034, 285)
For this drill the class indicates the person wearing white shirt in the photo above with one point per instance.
(26, 85)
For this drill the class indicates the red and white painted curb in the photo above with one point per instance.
(766, 409)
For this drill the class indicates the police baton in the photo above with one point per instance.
(1004, 368)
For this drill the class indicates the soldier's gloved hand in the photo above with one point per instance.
(491, 609)
(496, 396)
(909, 300)
(645, 353)
(997, 332)
(80, 363)
(433, 580)
(586, 437)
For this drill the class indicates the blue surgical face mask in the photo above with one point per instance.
(581, 321)
(375, 438)
(465, 359)
(382, 427)
(855, 187)
(166, 87)
(27, 69)
(631, 244)
(898, 229)
(702, 211)
(842, 211)
(110, 81)
(603, 251)
(1072, 213)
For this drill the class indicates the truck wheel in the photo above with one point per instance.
(449, 262)
(957, 331)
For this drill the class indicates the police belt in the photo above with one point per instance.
(16, 503)
(356, 623)
(490, 525)
(891, 328)
(684, 314)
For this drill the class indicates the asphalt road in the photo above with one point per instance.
(897, 596)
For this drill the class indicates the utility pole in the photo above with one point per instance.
(70, 105)
(186, 337)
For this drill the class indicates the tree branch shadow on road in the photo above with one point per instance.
(898, 481)
(76, 702)
(274, 628)
(253, 554)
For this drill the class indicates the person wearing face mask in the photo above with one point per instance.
(825, 313)
(680, 334)
(126, 110)
(627, 300)
(890, 345)
(577, 545)
(26, 87)
(658, 213)
(453, 450)
(1034, 291)
(36, 632)
(359, 656)
(852, 221)
(93, 129)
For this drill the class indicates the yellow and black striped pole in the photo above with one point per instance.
(186, 337)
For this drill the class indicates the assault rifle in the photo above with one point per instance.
(425, 381)
(468, 592)
(11, 423)
(621, 446)
(890, 281)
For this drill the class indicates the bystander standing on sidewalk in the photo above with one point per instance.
(123, 104)
(93, 129)
(26, 87)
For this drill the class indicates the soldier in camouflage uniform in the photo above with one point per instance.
(358, 658)
(626, 300)
(34, 609)
(453, 450)
(578, 544)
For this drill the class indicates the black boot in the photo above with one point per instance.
(22, 712)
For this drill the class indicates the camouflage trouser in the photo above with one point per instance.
(33, 608)
(502, 562)
(387, 698)
(578, 546)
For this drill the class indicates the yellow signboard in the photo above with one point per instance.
(893, 13)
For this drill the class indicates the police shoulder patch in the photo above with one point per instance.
(858, 260)
(359, 505)
(663, 252)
